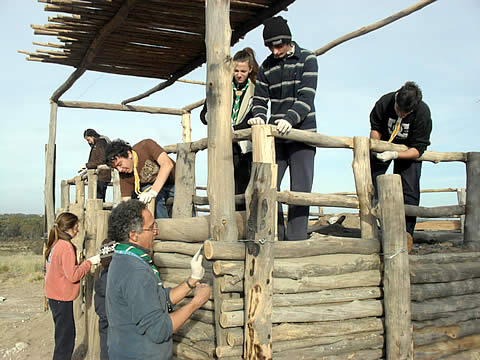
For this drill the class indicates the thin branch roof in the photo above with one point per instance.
(161, 39)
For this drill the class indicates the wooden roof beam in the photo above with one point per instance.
(236, 35)
(94, 47)
(366, 29)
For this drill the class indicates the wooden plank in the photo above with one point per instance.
(258, 283)
(434, 273)
(396, 283)
(364, 186)
(119, 107)
(435, 308)
(421, 292)
(315, 199)
(441, 349)
(184, 182)
(472, 213)
(436, 225)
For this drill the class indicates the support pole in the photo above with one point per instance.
(261, 233)
(364, 185)
(65, 195)
(117, 195)
(92, 183)
(221, 192)
(472, 208)
(184, 182)
(396, 283)
(186, 127)
(50, 167)
(462, 199)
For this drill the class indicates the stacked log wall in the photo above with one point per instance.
(196, 338)
(326, 298)
(445, 291)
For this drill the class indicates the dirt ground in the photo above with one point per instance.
(26, 331)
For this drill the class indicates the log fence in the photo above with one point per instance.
(327, 296)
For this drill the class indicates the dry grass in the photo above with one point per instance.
(26, 267)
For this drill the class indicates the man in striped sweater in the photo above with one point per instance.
(288, 79)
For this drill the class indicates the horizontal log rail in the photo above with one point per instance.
(316, 199)
(119, 107)
(434, 212)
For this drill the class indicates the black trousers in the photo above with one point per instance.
(242, 167)
(102, 189)
(62, 312)
(410, 172)
(299, 158)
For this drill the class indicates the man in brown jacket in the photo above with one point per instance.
(97, 143)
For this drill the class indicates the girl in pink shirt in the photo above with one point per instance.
(62, 281)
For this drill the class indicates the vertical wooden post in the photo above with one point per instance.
(117, 195)
(92, 179)
(396, 283)
(364, 185)
(92, 318)
(50, 167)
(472, 206)
(79, 191)
(65, 195)
(261, 200)
(186, 127)
(184, 182)
(220, 187)
(462, 200)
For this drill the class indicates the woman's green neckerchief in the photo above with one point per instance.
(131, 250)
(238, 95)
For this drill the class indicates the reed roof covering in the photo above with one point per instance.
(148, 38)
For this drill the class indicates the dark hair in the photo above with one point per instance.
(408, 97)
(248, 54)
(124, 218)
(117, 148)
(91, 132)
(64, 222)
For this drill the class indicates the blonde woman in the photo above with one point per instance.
(62, 281)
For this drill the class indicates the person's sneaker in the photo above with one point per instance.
(409, 242)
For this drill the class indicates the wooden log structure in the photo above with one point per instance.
(223, 224)
(184, 182)
(315, 199)
(472, 213)
(50, 167)
(364, 185)
(196, 229)
(259, 254)
(434, 212)
(396, 282)
(120, 107)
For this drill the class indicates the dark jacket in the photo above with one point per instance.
(137, 311)
(415, 128)
(97, 157)
(290, 85)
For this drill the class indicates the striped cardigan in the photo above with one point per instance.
(289, 84)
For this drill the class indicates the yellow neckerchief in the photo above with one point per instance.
(396, 130)
(137, 177)
(135, 173)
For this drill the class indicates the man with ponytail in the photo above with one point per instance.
(62, 281)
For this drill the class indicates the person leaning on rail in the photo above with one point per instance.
(401, 117)
(141, 319)
(146, 172)
(243, 85)
(288, 79)
(97, 143)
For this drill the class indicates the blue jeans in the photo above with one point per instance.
(168, 190)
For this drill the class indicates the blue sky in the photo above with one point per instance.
(437, 47)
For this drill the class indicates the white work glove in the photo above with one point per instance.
(387, 156)
(146, 196)
(83, 167)
(283, 126)
(256, 121)
(94, 259)
(82, 171)
(196, 265)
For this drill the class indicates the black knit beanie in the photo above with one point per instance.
(276, 31)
